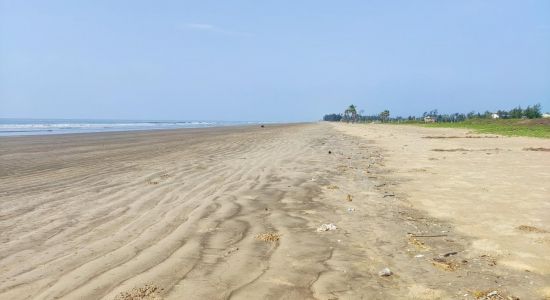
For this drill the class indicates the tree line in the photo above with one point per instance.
(351, 114)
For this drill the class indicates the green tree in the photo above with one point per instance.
(385, 115)
(533, 112)
(351, 113)
(516, 113)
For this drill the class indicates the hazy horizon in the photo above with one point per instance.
(284, 61)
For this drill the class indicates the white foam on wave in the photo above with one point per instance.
(101, 125)
(38, 127)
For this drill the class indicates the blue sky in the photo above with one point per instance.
(271, 61)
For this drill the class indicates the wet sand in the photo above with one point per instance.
(93, 215)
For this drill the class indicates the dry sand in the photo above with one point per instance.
(233, 213)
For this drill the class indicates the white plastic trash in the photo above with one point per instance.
(326, 227)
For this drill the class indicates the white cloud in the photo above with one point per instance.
(201, 26)
(213, 28)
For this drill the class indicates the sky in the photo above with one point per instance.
(270, 60)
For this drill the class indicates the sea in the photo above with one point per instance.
(17, 127)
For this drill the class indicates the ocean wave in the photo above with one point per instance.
(26, 127)
(102, 125)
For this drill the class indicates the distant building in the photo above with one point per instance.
(546, 115)
(495, 116)
(429, 119)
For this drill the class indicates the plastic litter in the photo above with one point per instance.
(326, 227)
(385, 272)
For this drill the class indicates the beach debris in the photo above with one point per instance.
(449, 254)
(465, 150)
(148, 292)
(332, 187)
(326, 227)
(351, 209)
(450, 150)
(537, 149)
(329, 152)
(491, 261)
(417, 243)
(461, 137)
(350, 198)
(262, 126)
(269, 236)
(528, 228)
(385, 272)
(231, 250)
(444, 264)
(419, 256)
(492, 295)
(426, 236)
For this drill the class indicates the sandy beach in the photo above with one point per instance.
(234, 213)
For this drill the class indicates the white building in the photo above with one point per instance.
(429, 119)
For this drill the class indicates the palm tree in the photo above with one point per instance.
(351, 112)
(385, 115)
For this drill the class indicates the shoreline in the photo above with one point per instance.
(136, 131)
(95, 126)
